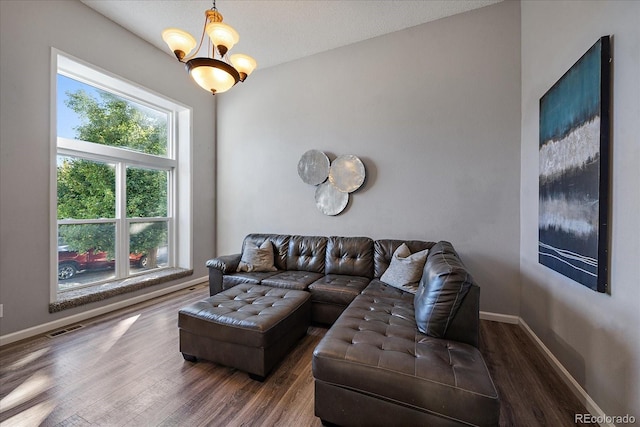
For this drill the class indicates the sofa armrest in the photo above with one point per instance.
(218, 267)
(226, 263)
(465, 325)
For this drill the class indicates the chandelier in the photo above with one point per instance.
(211, 74)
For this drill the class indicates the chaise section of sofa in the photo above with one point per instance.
(384, 362)
(373, 368)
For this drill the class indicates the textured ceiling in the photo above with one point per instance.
(278, 31)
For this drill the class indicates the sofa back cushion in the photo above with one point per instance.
(444, 284)
(280, 246)
(352, 256)
(384, 249)
(307, 253)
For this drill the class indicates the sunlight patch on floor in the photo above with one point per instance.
(36, 384)
(118, 331)
(33, 416)
(28, 359)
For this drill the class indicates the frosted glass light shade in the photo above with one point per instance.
(212, 75)
(244, 64)
(180, 42)
(222, 35)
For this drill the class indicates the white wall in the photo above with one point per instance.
(434, 113)
(595, 336)
(29, 30)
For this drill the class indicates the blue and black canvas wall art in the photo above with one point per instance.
(574, 171)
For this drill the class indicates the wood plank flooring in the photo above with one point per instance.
(124, 369)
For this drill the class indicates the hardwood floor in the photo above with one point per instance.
(124, 369)
(531, 393)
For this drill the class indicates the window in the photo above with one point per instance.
(122, 179)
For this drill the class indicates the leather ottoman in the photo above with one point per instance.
(248, 327)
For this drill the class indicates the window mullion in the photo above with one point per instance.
(171, 213)
(122, 229)
(101, 152)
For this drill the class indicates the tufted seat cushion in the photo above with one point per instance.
(337, 288)
(374, 349)
(380, 289)
(298, 280)
(251, 277)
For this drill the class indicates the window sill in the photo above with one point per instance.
(76, 298)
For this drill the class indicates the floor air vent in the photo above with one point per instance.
(64, 331)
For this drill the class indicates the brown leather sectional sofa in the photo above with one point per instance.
(389, 357)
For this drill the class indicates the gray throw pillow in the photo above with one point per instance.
(405, 269)
(256, 258)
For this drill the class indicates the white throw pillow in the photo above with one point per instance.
(256, 258)
(405, 269)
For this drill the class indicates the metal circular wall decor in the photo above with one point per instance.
(330, 200)
(347, 173)
(313, 167)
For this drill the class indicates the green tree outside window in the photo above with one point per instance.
(86, 189)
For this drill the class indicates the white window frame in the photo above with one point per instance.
(178, 162)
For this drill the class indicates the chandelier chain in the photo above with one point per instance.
(195, 52)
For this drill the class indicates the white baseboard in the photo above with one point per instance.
(590, 405)
(496, 317)
(56, 324)
(575, 387)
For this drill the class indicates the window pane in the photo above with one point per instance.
(146, 193)
(94, 115)
(86, 189)
(148, 245)
(86, 254)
